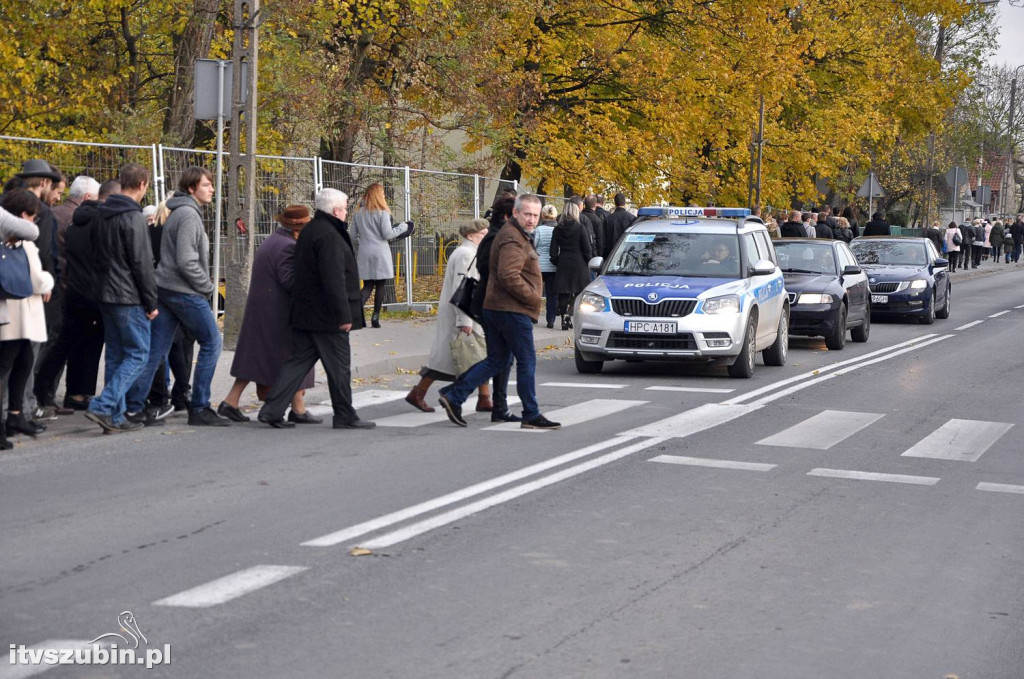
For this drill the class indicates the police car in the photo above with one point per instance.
(699, 284)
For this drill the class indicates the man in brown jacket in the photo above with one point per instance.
(511, 306)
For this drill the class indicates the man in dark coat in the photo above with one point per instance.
(1017, 231)
(326, 305)
(592, 224)
(125, 288)
(967, 238)
(878, 226)
(617, 223)
(822, 229)
(603, 215)
(793, 227)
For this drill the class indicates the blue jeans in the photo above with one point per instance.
(126, 331)
(511, 335)
(1016, 253)
(194, 313)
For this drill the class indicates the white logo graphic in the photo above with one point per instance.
(128, 625)
(116, 649)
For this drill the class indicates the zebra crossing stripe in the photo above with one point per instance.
(420, 419)
(874, 476)
(961, 440)
(230, 587)
(1000, 488)
(717, 464)
(575, 414)
(821, 431)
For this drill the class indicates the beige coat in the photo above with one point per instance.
(28, 320)
(449, 317)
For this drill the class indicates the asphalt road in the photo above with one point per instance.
(853, 514)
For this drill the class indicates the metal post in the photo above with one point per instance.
(157, 177)
(162, 183)
(218, 195)
(871, 194)
(408, 241)
(515, 185)
(318, 175)
(476, 196)
(956, 188)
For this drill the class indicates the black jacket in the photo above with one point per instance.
(823, 230)
(570, 252)
(325, 290)
(1017, 231)
(79, 272)
(845, 235)
(483, 265)
(617, 223)
(595, 229)
(792, 230)
(122, 254)
(878, 227)
(47, 241)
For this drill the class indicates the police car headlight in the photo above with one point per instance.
(919, 284)
(729, 304)
(808, 298)
(591, 302)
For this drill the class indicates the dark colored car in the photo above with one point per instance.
(828, 291)
(907, 276)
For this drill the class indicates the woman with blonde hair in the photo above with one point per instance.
(452, 322)
(372, 229)
(570, 252)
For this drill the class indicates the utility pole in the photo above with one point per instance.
(940, 43)
(760, 150)
(241, 212)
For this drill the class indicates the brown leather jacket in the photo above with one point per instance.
(515, 283)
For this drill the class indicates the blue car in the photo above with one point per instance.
(907, 277)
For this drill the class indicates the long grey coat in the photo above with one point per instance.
(449, 317)
(371, 231)
(265, 340)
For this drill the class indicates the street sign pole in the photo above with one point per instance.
(221, 65)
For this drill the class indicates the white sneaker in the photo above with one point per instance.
(46, 413)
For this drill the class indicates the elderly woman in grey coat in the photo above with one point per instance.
(372, 229)
(452, 322)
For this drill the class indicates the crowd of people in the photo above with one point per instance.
(108, 278)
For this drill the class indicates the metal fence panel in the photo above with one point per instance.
(99, 161)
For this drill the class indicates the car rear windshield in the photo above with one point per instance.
(676, 254)
(805, 257)
(892, 253)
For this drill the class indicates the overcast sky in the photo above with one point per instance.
(1011, 35)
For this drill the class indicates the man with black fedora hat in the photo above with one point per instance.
(265, 339)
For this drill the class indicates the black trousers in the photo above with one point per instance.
(54, 311)
(79, 346)
(334, 351)
(179, 358)
(978, 252)
(16, 360)
(954, 258)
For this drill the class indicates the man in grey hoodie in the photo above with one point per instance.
(184, 289)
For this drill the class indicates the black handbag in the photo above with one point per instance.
(15, 279)
(463, 297)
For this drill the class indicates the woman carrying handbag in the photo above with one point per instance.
(372, 231)
(455, 330)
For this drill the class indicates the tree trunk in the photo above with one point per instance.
(194, 43)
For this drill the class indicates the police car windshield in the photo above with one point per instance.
(804, 257)
(676, 254)
(889, 252)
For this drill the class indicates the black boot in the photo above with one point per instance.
(565, 322)
(375, 320)
(21, 424)
(4, 443)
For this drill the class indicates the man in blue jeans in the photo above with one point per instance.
(184, 289)
(511, 306)
(126, 293)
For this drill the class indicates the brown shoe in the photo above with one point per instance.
(415, 399)
(484, 404)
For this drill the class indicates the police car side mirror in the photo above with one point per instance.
(595, 264)
(940, 262)
(763, 267)
(851, 270)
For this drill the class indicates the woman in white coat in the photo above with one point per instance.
(451, 321)
(372, 229)
(26, 323)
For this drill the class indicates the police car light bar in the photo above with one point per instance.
(672, 212)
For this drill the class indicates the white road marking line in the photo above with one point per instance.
(821, 431)
(468, 492)
(583, 385)
(874, 476)
(695, 390)
(1000, 313)
(419, 419)
(370, 397)
(454, 515)
(575, 414)
(746, 396)
(1000, 488)
(8, 671)
(969, 325)
(1019, 306)
(718, 464)
(799, 387)
(230, 587)
(962, 440)
(692, 421)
